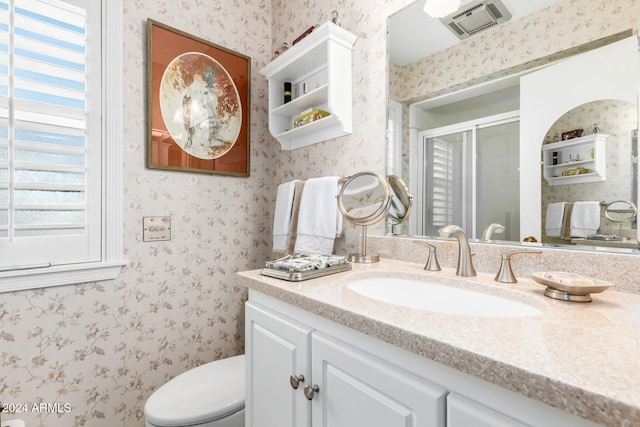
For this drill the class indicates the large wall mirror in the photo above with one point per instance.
(478, 127)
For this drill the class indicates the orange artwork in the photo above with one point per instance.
(198, 104)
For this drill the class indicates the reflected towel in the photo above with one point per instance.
(282, 216)
(565, 234)
(319, 219)
(553, 223)
(585, 219)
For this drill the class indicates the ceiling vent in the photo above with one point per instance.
(475, 17)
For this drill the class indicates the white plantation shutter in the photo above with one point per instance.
(51, 134)
(46, 133)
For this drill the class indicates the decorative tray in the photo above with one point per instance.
(569, 286)
(298, 276)
(304, 268)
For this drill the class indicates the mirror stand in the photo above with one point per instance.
(363, 257)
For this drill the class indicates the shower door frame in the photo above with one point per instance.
(418, 158)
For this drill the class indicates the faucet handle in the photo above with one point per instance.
(432, 261)
(505, 274)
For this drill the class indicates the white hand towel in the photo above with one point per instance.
(282, 216)
(319, 220)
(555, 214)
(585, 219)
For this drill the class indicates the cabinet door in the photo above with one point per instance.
(358, 389)
(462, 412)
(276, 348)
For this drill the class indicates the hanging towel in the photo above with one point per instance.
(282, 216)
(585, 219)
(555, 214)
(319, 220)
(295, 211)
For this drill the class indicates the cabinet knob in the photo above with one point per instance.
(309, 391)
(296, 380)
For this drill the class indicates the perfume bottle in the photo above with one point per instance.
(287, 92)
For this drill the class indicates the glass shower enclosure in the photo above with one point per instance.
(470, 177)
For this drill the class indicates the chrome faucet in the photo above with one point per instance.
(465, 266)
(432, 260)
(491, 230)
(505, 274)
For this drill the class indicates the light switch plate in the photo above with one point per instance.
(156, 228)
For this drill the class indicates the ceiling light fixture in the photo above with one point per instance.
(440, 8)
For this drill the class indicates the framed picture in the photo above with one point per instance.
(197, 104)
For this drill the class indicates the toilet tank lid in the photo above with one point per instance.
(208, 392)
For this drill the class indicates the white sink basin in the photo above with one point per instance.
(440, 298)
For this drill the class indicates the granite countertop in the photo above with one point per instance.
(583, 358)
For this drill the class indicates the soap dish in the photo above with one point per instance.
(569, 286)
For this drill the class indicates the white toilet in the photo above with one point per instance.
(211, 395)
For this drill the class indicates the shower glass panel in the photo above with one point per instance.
(498, 179)
(470, 178)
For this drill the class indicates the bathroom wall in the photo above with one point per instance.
(365, 148)
(104, 347)
(514, 45)
(617, 119)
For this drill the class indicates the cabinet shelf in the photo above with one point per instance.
(590, 154)
(317, 126)
(319, 70)
(570, 164)
(308, 100)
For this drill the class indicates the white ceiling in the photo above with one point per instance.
(413, 34)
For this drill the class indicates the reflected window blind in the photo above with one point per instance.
(442, 167)
(43, 125)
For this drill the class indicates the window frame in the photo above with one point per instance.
(111, 247)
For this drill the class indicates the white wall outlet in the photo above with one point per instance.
(156, 228)
(12, 423)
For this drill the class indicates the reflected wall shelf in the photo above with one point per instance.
(588, 152)
(319, 69)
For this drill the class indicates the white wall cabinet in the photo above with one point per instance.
(319, 69)
(350, 379)
(588, 152)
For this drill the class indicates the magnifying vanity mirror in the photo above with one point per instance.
(623, 214)
(472, 139)
(620, 211)
(364, 200)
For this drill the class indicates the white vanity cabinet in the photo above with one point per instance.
(339, 384)
(358, 389)
(462, 412)
(588, 152)
(319, 69)
(277, 348)
(347, 378)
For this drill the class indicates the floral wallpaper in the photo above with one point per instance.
(93, 353)
(617, 119)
